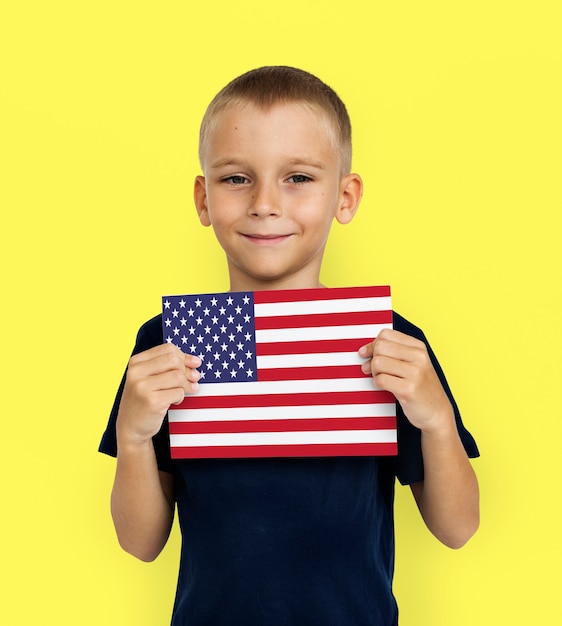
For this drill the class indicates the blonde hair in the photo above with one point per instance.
(267, 86)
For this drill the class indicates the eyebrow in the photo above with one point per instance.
(294, 162)
(225, 162)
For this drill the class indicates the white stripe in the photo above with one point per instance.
(284, 438)
(282, 412)
(308, 360)
(359, 331)
(310, 307)
(365, 383)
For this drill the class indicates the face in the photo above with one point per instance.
(272, 186)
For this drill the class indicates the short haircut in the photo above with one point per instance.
(267, 86)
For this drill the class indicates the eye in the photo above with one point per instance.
(299, 179)
(237, 179)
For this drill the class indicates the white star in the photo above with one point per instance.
(217, 356)
(190, 312)
(246, 300)
(199, 321)
(168, 340)
(238, 310)
(206, 311)
(184, 339)
(199, 338)
(225, 365)
(168, 322)
(176, 331)
(215, 337)
(207, 330)
(250, 372)
(232, 356)
(208, 347)
(231, 337)
(175, 313)
(183, 321)
(214, 301)
(240, 364)
(223, 328)
(198, 302)
(182, 303)
(215, 320)
(224, 347)
(192, 348)
(222, 310)
(202, 375)
(191, 330)
(229, 300)
(217, 374)
(233, 374)
(248, 336)
(239, 345)
(239, 329)
(209, 365)
(248, 355)
(230, 319)
(167, 304)
(247, 318)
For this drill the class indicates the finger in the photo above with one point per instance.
(366, 351)
(192, 361)
(192, 375)
(392, 367)
(162, 362)
(395, 336)
(366, 367)
(151, 353)
(170, 397)
(400, 351)
(174, 379)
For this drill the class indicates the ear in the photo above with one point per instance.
(351, 190)
(200, 197)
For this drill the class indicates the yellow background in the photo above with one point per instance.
(457, 125)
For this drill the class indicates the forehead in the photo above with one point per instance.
(290, 128)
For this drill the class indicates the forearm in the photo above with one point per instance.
(142, 504)
(448, 498)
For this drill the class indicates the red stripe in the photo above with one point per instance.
(286, 399)
(311, 347)
(334, 293)
(284, 425)
(323, 319)
(331, 372)
(328, 449)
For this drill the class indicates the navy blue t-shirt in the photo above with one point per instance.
(288, 541)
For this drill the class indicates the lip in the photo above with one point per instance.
(265, 239)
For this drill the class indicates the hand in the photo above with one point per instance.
(401, 364)
(155, 379)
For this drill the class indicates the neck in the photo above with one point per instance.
(269, 285)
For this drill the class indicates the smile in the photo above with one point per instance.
(265, 240)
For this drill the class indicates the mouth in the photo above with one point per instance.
(265, 239)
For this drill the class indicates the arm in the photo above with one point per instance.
(448, 497)
(142, 500)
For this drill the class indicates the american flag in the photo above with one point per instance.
(280, 374)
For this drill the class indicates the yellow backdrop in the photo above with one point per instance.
(456, 110)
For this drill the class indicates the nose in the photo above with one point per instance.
(265, 200)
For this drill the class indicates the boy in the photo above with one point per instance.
(289, 540)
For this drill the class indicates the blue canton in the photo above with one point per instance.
(219, 328)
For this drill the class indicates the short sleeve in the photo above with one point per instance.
(149, 336)
(409, 462)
